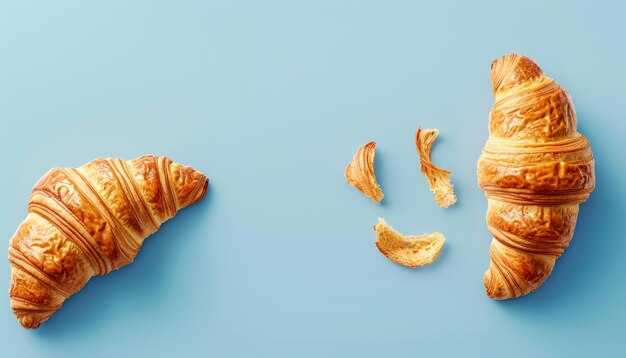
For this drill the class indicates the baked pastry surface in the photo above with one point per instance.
(360, 172)
(89, 221)
(408, 250)
(438, 178)
(535, 170)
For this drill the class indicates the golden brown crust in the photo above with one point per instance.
(535, 169)
(438, 178)
(528, 105)
(410, 251)
(360, 172)
(90, 221)
(145, 171)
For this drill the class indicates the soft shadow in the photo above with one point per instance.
(142, 281)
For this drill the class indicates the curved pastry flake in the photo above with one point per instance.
(438, 178)
(360, 172)
(410, 251)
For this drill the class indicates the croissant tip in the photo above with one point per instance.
(33, 326)
(511, 69)
(204, 190)
(29, 322)
(491, 288)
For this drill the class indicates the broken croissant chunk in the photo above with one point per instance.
(438, 178)
(360, 173)
(410, 251)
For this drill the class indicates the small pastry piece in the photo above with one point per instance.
(535, 169)
(410, 251)
(438, 178)
(89, 221)
(360, 173)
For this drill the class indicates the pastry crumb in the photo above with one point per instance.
(411, 250)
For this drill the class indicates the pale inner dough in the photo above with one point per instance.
(411, 250)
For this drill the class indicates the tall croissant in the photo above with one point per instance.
(535, 170)
(89, 221)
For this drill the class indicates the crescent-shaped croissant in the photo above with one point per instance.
(89, 221)
(535, 170)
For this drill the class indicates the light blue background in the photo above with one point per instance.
(271, 99)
